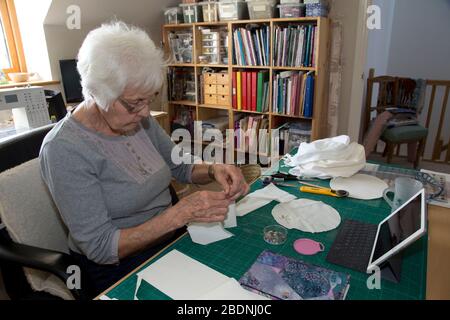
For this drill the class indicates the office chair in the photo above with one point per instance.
(38, 236)
(33, 246)
(56, 105)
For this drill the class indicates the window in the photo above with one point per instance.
(12, 58)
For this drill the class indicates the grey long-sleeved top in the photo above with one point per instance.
(101, 184)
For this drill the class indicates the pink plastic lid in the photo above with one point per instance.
(308, 247)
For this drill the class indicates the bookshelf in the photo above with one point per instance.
(204, 111)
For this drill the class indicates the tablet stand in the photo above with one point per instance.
(391, 269)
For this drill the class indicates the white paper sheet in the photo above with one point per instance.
(231, 290)
(183, 278)
(207, 233)
(262, 197)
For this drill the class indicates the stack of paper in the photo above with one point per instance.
(183, 278)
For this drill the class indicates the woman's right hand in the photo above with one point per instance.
(202, 206)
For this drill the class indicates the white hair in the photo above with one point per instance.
(116, 56)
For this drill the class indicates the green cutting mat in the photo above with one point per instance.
(235, 255)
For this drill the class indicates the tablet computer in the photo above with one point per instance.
(400, 229)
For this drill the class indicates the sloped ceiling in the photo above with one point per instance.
(63, 43)
(93, 12)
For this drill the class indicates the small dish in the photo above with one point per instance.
(275, 235)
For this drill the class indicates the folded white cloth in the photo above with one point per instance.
(327, 158)
(260, 198)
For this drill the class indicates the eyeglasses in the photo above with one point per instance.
(134, 108)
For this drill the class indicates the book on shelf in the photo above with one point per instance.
(249, 90)
(251, 45)
(249, 136)
(280, 277)
(263, 136)
(254, 87)
(252, 90)
(293, 93)
(295, 46)
(238, 90)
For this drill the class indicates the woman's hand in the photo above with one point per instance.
(231, 179)
(202, 206)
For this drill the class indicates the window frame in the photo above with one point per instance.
(13, 37)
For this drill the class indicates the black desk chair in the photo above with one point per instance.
(31, 218)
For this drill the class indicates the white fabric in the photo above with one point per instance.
(31, 218)
(307, 216)
(207, 233)
(260, 198)
(231, 221)
(361, 186)
(327, 158)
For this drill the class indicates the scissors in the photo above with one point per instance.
(308, 188)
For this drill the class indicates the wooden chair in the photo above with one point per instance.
(394, 92)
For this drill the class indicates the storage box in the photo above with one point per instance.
(222, 78)
(261, 9)
(292, 10)
(223, 89)
(316, 10)
(223, 100)
(192, 12)
(173, 15)
(210, 78)
(210, 11)
(180, 43)
(210, 89)
(233, 10)
(211, 99)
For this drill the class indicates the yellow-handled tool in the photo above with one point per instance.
(325, 191)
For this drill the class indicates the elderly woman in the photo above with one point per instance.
(108, 164)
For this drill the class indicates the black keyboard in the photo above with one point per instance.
(353, 245)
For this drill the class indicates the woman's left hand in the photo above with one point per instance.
(231, 179)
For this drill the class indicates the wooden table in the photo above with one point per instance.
(438, 269)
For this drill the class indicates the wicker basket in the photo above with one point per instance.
(251, 172)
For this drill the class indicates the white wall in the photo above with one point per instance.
(414, 40)
(379, 45)
(420, 40)
(64, 43)
(414, 43)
